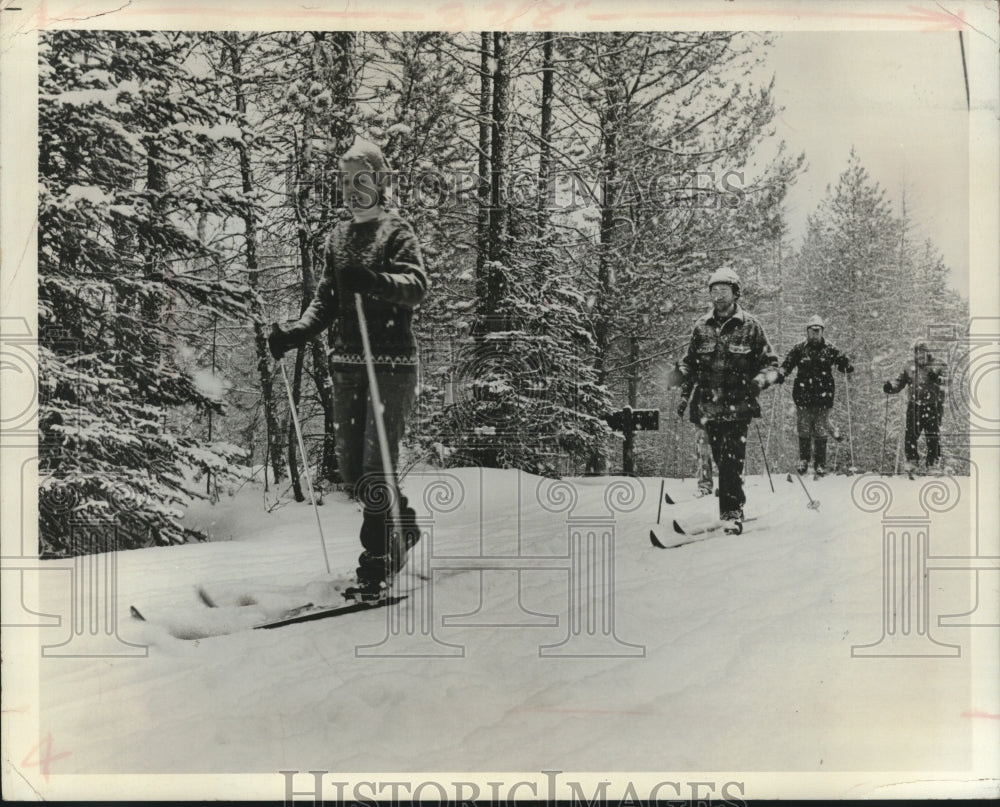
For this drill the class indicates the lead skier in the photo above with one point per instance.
(374, 254)
(730, 361)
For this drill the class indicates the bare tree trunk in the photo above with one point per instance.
(483, 195)
(498, 158)
(271, 427)
(605, 271)
(545, 132)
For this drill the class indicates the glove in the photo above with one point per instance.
(850, 369)
(780, 378)
(887, 388)
(682, 407)
(277, 341)
(360, 281)
(754, 386)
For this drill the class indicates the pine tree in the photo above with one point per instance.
(118, 118)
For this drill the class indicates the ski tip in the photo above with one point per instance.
(678, 528)
(135, 613)
(654, 540)
(205, 597)
(667, 499)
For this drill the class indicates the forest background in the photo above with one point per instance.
(571, 192)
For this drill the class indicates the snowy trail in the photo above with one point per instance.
(747, 642)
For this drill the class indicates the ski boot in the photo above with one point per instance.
(367, 590)
(802, 467)
(373, 578)
(732, 523)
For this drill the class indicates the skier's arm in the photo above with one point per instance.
(767, 362)
(841, 362)
(320, 313)
(688, 365)
(791, 361)
(892, 387)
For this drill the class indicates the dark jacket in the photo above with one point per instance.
(726, 365)
(814, 381)
(928, 383)
(387, 247)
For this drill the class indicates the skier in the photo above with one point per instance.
(927, 379)
(812, 393)
(374, 254)
(704, 450)
(728, 363)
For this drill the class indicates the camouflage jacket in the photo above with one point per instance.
(722, 360)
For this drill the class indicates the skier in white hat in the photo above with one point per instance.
(728, 362)
(813, 391)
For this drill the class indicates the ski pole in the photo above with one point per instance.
(813, 503)
(383, 440)
(885, 435)
(305, 462)
(764, 454)
(850, 428)
(899, 448)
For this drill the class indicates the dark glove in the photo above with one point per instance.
(277, 341)
(682, 407)
(360, 281)
(780, 378)
(850, 369)
(887, 388)
(754, 386)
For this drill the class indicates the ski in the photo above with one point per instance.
(308, 613)
(684, 534)
(222, 612)
(682, 528)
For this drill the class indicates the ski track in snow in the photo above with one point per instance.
(747, 641)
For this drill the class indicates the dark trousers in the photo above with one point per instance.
(926, 419)
(813, 425)
(704, 462)
(360, 459)
(728, 440)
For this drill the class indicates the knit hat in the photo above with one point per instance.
(364, 151)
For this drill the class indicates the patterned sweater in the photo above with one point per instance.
(388, 247)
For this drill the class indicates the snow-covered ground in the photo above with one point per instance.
(733, 654)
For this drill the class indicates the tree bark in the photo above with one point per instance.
(272, 430)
